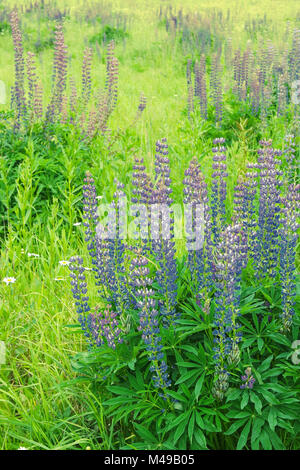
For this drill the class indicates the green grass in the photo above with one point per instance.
(43, 404)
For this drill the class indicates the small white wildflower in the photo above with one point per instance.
(77, 224)
(9, 280)
(35, 255)
(22, 448)
(64, 263)
(59, 279)
(99, 197)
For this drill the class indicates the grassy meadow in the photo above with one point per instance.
(48, 399)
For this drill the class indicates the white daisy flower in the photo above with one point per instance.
(9, 280)
(64, 263)
(35, 255)
(22, 448)
(77, 224)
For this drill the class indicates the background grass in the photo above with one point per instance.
(42, 405)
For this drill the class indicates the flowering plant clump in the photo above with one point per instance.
(184, 329)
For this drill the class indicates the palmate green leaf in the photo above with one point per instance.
(180, 429)
(191, 426)
(260, 343)
(272, 418)
(275, 440)
(191, 349)
(200, 438)
(238, 414)
(233, 394)
(190, 365)
(244, 436)
(144, 433)
(248, 342)
(199, 385)
(270, 397)
(245, 399)
(256, 428)
(280, 339)
(256, 401)
(235, 426)
(187, 376)
(175, 422)
(177, 396)
(265, 364)
(272, 373)
(120, 390)
(265, 440)
(199, 420)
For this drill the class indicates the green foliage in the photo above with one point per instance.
(107, 34)
(54, 394)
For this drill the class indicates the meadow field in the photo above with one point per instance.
(141, 342)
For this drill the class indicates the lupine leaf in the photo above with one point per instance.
(244, 436)
(235, 426)
(199, 385)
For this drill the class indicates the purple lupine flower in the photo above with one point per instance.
(199, 258)
(244, 208)
(73, 97)
(267, 248)
(79, 291)
(104, 327)
(294, 57)
(282, 94)
(237, 73)
(59, 77)
(248, 379)
(162, 233)
(149, 321)
(142, 104)
(255, 94)
(289, 155)
(216, 87)
(18, 91)
(142, 185)
(86, 81)
(231, 254)
(112, 75)
(288, 243)
(200, 85)
(110, 262)
(228, 53)
(219, 187)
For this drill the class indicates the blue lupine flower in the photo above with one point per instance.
(267, 236)
(162, 243)
(149, 323)
(219, 188)
(199, 259)
(288, 243)
(230, 258)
